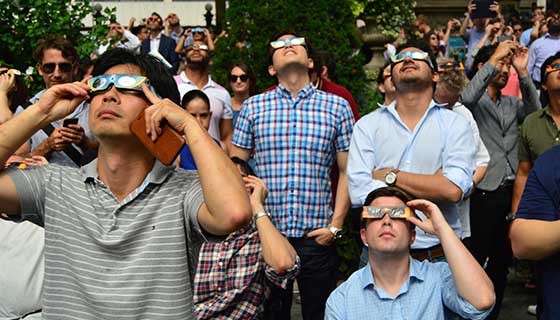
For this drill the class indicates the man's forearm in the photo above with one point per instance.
(531, 101)
(43, 149)
(342, 203)
(217, 172)
(277, 251)
(471, 281)
(518, 186)
(475, 89)
(435, 188)
(534, 239)
(17, 130)
(5, 112)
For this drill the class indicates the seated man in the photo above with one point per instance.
(395, 286)
(121, 233)
(234, 277)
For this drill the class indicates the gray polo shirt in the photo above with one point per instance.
(106, 259)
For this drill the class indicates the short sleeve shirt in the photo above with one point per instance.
(538, 134)
(110, 259)
(295, 140)
(541, 201)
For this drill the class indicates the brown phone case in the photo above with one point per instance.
(166, 147)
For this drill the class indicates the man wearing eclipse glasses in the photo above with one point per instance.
(415, 144)
(61, 144)
(393, 285)
(122, 233)
(297, 134)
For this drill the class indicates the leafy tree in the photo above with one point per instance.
(24, 22)
(328, 25)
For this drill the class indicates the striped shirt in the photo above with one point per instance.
(295, 140)
(106, 259)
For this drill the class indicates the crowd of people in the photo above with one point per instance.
(453, 175)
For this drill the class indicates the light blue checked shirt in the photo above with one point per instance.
(427, 294)
(442, 139)
(295, 141)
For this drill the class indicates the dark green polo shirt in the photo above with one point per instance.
(538, 134)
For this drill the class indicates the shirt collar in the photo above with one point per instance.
(414, 271)
(392, 106)
(157, 175)
(158, 37)
(545, 111)
(304, 92)
(186, 79)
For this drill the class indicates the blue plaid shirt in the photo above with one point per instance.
(295, 141)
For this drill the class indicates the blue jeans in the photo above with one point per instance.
(316, 281)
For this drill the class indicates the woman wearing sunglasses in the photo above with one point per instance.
(242, 81)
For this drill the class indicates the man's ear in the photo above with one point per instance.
(412, 235)
(543, 86)
(324, 72)
(310, 63)
(381, 87)
(39, 70)
(435, 76)
(271, 71)
(480, 65)
(363, 235)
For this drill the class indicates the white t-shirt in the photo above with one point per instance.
(220, 101)
(22, 268)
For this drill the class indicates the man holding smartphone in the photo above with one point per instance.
(59, 143)
(122, 234)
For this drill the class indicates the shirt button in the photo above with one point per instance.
(220, 264)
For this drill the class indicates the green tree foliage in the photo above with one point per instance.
(329, 25)
(24, 22)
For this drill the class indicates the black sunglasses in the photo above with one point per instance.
(49, 67)
(243, 78)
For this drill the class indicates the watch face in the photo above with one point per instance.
(338, 234)
(390, 178)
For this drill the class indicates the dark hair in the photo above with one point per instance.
(245, 168)
(548, 61)
(137, 29)
(192, 95)
(481, 57)
(157, 15)
(323, 58)
(19, 95)
(380, 76)
(150, 67)
(59, 43)
(271, 50)
(386, 192)
(423, 46)
(249, 72)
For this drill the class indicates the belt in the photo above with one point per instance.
(428, 253)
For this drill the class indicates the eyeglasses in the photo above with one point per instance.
(126, 82)
(291, 41)
(15, 72)
(552, 68)
(150, 19)
(517, 29)
(50, 67)
(450, 65)
(394, 212)
(414, 55)
(243, 78)
(202, 47)
(197, 30)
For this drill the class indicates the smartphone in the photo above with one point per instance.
(504, 37)
(483, 9)
(166, 147)
(67, 122)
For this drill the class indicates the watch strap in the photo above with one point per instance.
(260, 215)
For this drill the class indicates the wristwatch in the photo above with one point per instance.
(260, 215)
(336, 232)
(391, 177)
